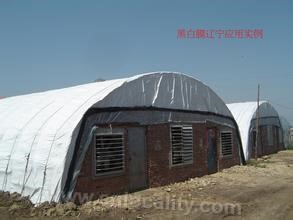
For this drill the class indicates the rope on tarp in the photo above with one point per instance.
(62, 125)
(43, 183)
(25, 179)
(55, 191)
(15, 141)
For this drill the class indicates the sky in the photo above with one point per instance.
(54, 44)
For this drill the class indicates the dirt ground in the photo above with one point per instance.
(261, 190)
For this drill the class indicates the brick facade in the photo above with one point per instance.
(226, 162)
(158, 169)
(266, 147)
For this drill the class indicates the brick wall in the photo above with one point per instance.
(158, 169)
(264, 147)
(160, 172)
(226, 162)
(87, 182)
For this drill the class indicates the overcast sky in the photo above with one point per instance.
(54, 44)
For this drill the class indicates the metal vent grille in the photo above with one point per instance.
(226, 142)
(109, 153)
(182, 144)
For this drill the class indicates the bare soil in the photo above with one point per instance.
(263, 189)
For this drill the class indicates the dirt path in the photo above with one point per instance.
(261, 190)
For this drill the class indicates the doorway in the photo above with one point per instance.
(136, 158)
(212, 150)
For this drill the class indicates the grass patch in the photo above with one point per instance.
(257, 163)
(290, 147)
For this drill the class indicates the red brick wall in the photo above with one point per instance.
(264, 147)
(268, 148)
(158, 172)
(87, 182)
(226, 162)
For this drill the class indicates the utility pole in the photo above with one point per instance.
(257, 122)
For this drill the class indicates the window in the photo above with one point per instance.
(182, 144)
(109, 153)
(226, 143)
